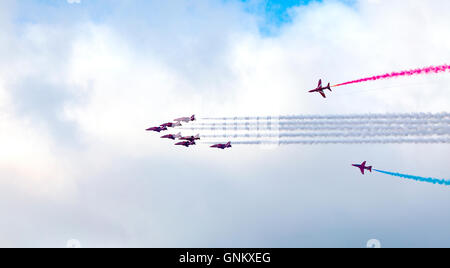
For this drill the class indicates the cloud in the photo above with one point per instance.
(76, 97)
(74, 1)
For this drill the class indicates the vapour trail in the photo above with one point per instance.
(323, 128)
(321, 122)
(427, 70)
(348, 116)
(416, 178)
(333, 134)
(344, 141)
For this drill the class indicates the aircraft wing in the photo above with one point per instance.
(362, 170)
(323, 94)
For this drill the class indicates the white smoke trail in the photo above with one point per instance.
(424, 116)
(343, 141)
(326, 128)
(345, 129)
(442, 115)
(419, 133)
(338, 122)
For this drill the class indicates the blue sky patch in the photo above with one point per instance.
(274, 13)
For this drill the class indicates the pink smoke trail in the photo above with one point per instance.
(428, 70)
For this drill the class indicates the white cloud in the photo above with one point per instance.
(74, 1)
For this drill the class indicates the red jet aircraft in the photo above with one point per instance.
(170, 124)
(185, 119)
(320, 89)
(222, 146)
(157, 129)
(363, 167)
(186, 143)
(172, 136)
(191, 138)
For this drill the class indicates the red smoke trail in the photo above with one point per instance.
(432, 69)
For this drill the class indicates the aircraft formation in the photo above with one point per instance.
(344, 130)
(417, 128)
(185, 141)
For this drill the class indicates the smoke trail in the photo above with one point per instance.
(416, 178)
(337, 122)
(438, 129)
(427, 70)
(332, 117)
(369, 141)
(339, 141)
(334, 134)
(330, 129)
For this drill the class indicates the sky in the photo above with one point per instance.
(81, 80)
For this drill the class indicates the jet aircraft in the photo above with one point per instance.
(320, 89)
(363, 167)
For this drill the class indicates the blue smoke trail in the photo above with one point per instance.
(416, 178)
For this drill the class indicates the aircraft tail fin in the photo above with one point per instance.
(370, 168)
(329, 87)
